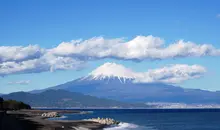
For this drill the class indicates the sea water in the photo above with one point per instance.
(155, 119)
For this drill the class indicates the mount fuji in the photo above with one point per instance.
(116, 82)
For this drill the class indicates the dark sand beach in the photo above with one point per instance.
(31, 120)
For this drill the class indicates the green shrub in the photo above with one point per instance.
(1, 103)
(14, 105)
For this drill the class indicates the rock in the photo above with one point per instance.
(50, 114)
(105, 121)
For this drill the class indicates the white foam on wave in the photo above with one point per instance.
(58, 118)
(62, 117)
(123, 126)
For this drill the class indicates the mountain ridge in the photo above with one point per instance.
(63, 98)
(138, 92)
(116, 82)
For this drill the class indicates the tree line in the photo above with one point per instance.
(12, 105)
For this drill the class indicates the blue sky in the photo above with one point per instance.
(47, 23)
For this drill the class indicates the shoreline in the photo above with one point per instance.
(32, 120)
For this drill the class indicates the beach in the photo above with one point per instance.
(32, 120)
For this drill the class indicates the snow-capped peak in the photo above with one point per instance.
(112, 70)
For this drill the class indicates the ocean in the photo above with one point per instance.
(155, 119)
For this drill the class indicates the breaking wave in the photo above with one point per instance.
(58, 118)
(123, 126)
(62, 117)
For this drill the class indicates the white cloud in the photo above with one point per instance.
(172, 74)
(21, 82)
(45, 63)
(139, 48)
(20, 53)
(73, 54)
(218, 15)
(169, 74)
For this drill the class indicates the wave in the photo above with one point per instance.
(62, 117)
(123, 126)
(58, 118)
(86, 112)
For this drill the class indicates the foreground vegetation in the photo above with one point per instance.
(12, 105)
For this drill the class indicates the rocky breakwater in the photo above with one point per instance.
(50, 114)
(104, 121)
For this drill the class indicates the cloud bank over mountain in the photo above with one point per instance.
(20, 53)
(139, 48)
(44, 63)
(169, 74)
(74, 54)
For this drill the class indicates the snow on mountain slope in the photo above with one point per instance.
(169, 74)
(109, 71)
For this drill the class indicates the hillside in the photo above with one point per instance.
(12, 105)
(62, 98)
